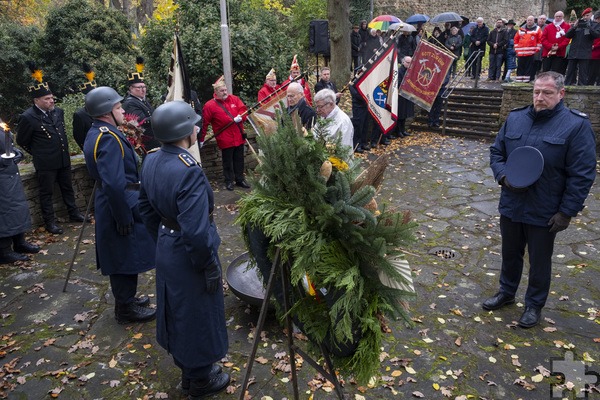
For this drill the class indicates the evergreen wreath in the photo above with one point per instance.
(303, 200)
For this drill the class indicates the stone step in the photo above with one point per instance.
(458, 131)
(468, 99)
(487, 108)
(472, 115)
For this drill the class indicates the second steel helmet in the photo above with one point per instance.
(173, 121)
(101, 100)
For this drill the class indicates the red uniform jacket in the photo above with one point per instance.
(214, 115)
(551, 35)
(266, 91)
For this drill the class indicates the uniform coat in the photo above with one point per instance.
(566, 140)
(265, 91)
(190, 322)
(111, 160)
(14, 213)
(82, 122)
(217, 117)
(44, 137)
(406, 108)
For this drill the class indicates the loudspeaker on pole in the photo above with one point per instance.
(318, 37)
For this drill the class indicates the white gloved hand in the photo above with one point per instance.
(200, 144)
(237, 119)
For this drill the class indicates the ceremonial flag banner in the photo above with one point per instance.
(266, 115)
(426, 73)
(179, 85)
(378, 86)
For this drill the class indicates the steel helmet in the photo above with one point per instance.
(173, 121)
(101, 100)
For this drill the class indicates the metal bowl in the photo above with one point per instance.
(245, 282)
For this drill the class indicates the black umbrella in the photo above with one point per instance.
(446, 17)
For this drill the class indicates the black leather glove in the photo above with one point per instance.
(18, 156)
(504, 182)
(125, 230)
(244, 136)
(213, 277)
(559, 222)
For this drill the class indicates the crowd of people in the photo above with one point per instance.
(142, 224)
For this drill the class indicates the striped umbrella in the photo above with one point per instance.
(383, 22)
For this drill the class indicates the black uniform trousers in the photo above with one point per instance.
(233, 163)
(6, 243)
(46, 179)
(124, 287)
(578, 72)
(360, 123)
(194, 374)
(540, 246)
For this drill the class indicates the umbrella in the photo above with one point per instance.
(382, 22)
(402, 27)
(468, 26)
(417, 18)
(446, 17)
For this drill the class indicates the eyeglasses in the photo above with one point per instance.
(320, 106)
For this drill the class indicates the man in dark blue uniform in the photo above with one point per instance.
(137, 104)
(190, 308)
(123, 246)
(41, 133)
(14, 213)
(530, 217)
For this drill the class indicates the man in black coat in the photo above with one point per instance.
(14, 214)
(582, 35)
(497, 40)
(478, 42)
(406, 45)
(297, 102)
(82, 121)
(326, 83)
(136, 103)
(355, 41)
(41, 133)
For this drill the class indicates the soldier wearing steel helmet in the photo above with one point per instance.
(123, 246)
(190, 322)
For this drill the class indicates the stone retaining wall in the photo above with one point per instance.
(83, 184)
(583, 98)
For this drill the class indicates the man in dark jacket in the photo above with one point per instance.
(582, 35)
(531, 216)
(14, 213)
(355, 41)
(479, 38)
(82, 122)
(406, 45)
(364, 35)
(124, 248)
(297, 102)
(41, 133)
(191, 315)
(497, 40)
(326, 83)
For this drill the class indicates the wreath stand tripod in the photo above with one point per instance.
(292, 348)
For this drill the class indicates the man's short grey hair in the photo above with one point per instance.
(559, 79)
(480, 19)
(295, 87)
(326, 95)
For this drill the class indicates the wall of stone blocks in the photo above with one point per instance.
(83, 184)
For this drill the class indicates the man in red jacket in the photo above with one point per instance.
(226, 113)
(269, 87)
(554, 44)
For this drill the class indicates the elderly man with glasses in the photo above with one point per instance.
(297, 102)
(332, 120)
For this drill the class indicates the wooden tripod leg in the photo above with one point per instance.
(261, 322)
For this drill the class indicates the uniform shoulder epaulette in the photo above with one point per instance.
(519, 108)
(154, 150)
(187, 159)
(579, 113)
(104, 129)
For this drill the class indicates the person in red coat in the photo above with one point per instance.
(269, 87)
(554, 44)
(295, 74)
(226, 114)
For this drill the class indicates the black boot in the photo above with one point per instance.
(128, 313)
(184, 385)
(202, 388)
(22, 246)
(9, 257)
(51, 227)
(142, 301)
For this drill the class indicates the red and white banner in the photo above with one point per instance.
(426, 74)
(266, 115)
(378, 86)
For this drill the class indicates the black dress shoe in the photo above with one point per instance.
(128, 313)
(79, 218)
(530, 318)
(27, 247)
(406, 134)
(54, 229)
(229, 186)
(184, 385)
(243, 184)
(10, 257)
(499, 300)
(201, 389)
(366, 147)
(385, 141)
(359, 150)
(142, 301)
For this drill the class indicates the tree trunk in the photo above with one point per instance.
(557, 5)
(338, 14)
